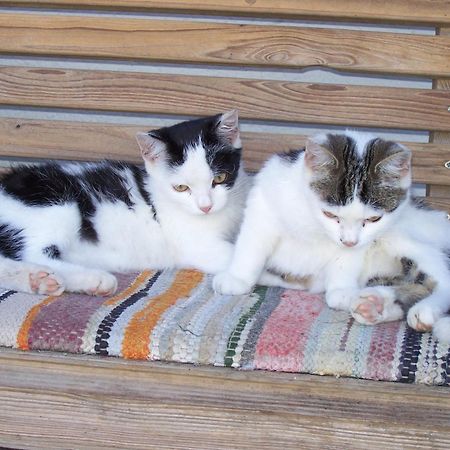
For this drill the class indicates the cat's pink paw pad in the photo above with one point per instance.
(369, 308)
(375, 305)
(46, 283)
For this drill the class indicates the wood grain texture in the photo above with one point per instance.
(42, 139)
(441, 137)
(433, 12)
(442, 202)
(222, 43)
(199, 95)
(64, 401)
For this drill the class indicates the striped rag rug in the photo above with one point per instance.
(175, 316)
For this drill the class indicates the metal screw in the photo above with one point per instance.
(447, 165)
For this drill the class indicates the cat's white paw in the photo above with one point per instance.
(375, 305)
(33, 279)
(43, 281)
(93, 282)
(441, 330)
(104, 285)
(341, 298)
(422, 316)
(225, 283)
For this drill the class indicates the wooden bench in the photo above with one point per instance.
(79, 78)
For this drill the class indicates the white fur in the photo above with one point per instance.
(129, 239)
(284, 228)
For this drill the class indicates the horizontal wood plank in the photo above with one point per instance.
(64, 401)
(24, 138)
(224, 43)
(433, 12)
(439, 203)
(198, 95)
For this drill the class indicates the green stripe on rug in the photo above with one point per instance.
(235, 335)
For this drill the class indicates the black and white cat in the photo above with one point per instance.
(66, 226)
(337, 218)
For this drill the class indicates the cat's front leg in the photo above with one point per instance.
(212, 256)
(256, 241)
(342, 279)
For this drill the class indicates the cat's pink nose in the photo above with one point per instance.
(349, 243)
(206, 209)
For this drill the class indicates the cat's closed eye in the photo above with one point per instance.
(373, 219)
(181, 187)
(331, 215)
(220, 178)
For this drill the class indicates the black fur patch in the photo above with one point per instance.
(220, 154)
(55, 184)
(52, 251)
(351, 174)
(11, 242)
(140, 176)
(106, 182)
(291, 156)
(41, 185)
(410, 286)
(420, 203)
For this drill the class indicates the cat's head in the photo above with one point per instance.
(357, 183)
(196, 163)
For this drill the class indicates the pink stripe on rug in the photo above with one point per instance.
(61, 324)
(282, 342)
(381, 355)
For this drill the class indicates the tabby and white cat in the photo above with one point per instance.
(337, 218)
(66, 226)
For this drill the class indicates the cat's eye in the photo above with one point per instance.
(181, 187)
(220, 178)
(373, 219)
(330, 215)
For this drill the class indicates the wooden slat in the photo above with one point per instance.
(439, 203)
(222, 43)
(23, 138)
(198, 95)
(433, 12)
(63, 401)
(441, 137)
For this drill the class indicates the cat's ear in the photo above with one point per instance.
(152, 147)
(397, 162)
(228, 128)
(318, 156)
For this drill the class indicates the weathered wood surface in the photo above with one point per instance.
(439, 189)
(200, 95)
(223, 43)
(439, 202)
(62, 401)
(46, 139)
(433, 12)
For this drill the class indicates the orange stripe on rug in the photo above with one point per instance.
(23, 334)
(137, 334)
(139, 281)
